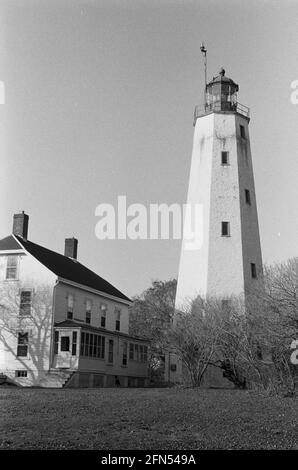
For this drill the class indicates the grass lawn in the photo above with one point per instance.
(145, 419)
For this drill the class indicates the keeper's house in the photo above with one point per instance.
(62, 325)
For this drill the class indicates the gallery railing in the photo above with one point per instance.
(222, 106)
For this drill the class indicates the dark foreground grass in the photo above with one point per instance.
(145, 419)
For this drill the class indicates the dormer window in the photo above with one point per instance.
(12, 267)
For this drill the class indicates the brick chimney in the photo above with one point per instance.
(71, 247)
(20, 225)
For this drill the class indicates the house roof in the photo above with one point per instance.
(9, 243)
(62, 266)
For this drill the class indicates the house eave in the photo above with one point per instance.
(94, 291)
(11, 252)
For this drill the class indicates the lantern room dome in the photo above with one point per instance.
(222, 79)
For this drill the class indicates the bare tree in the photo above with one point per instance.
(250, 342)
(254, 345)
(150, 316)
(274, 312)
(194, 337)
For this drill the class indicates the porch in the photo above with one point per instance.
(95, 357)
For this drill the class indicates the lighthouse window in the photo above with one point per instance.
(247, 197)
(253, 270)
(224, 158)
(242, 131)
(225, 229)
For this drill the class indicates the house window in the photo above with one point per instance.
(124, 357)
(21, 373)
(102, 347)
(247, 197)
(224, 158)
(143, 356)
(145, 353)
(65, 343)
(12, 267)
(131, 349)
(117, 315)
(22, 350)
(103, 315)
(70, 302)
(111, 351)
(86, 346)
(56, 342)
(74, 343)
(136, 352)
(82, 344)
(242, 131)
(253, 270)
(25, 302)
(141, 353)
(92, 345)
(225, 229)
(88, 311)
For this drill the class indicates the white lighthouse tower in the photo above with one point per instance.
(221, 179)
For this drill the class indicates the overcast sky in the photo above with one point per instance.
(99, 103)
